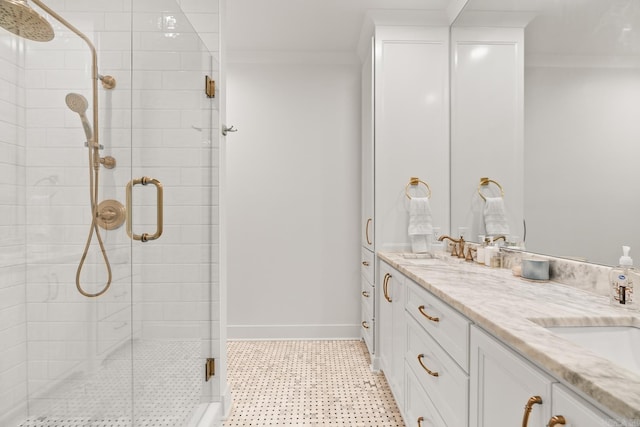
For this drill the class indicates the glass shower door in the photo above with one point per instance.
(172, 276)
(119, 336)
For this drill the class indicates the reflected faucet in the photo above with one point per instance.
(458, 245)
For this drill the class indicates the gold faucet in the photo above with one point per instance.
(503, 237)
(457, 243)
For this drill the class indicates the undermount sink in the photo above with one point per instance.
(619, 344)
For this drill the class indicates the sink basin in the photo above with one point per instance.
(619, 344)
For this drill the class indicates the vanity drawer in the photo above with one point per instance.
(442, 379)
(368, 264)
(366, 295)
(448, 327)
(419, 410)
(367, 325)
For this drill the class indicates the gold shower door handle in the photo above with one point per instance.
(145, 237)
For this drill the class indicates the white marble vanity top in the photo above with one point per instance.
(516, 310)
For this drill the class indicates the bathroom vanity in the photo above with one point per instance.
(467, 345)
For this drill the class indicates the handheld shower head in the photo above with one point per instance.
(18, 17)
(79, 104)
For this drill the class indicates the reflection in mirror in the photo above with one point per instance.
(581, 123)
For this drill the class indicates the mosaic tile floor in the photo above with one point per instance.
(307, 383)
(167, 388)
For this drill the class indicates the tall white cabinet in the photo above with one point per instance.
(405, 134)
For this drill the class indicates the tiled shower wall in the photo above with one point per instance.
(155, 123)
(13, 327)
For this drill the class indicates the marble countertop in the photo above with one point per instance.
(517, 311)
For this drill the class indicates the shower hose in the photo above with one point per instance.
(94, 173)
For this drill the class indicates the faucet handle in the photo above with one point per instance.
(454, 251)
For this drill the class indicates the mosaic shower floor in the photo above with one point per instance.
(167, 389)
(307, 383)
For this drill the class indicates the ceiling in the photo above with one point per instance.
(583, 27)
(307, 25)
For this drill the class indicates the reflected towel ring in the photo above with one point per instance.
(486, 181)
(416, 181)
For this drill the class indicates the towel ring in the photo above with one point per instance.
(486, 181)
(416, 181)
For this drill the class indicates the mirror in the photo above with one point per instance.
(572, 170)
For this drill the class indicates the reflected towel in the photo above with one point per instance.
(495, 217)
(420, 226)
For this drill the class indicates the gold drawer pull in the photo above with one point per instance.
(556, 419)
(385, 287)
(365, 294)
(365, 263)
(420, 420)
(429, 371)
(369, 242)
(533, 400)
(424, 313)
(365, 324)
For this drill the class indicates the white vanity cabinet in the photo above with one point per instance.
(457, 374)
(502, 383)
(391, 328)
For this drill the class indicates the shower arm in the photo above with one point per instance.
(94, 74)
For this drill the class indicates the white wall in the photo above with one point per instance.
(581, 163)
(293, 199)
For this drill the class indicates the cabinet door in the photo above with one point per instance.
(367, 153)
(391, 324)
(411, 127)
(575, 411)
(501, 384)
(388, 278)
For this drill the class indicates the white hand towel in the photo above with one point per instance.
(495, 217)
(420, 226)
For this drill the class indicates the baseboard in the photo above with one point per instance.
(293, 332)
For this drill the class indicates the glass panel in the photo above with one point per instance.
(78, 347)
(172, 276)
(65, 358)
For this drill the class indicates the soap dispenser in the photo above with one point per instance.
(622, 279)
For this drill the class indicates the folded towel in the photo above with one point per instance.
(420, 226)
(495, 217)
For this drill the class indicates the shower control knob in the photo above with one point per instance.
(111, 214)
(108, 162)
(108, 82)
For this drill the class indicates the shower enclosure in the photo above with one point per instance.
(125, 335)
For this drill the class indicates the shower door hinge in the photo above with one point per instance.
(209, 368)
(209, 87)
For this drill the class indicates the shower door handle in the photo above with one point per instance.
(145, 237)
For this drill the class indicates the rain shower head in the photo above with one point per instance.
(19, 18)
(79, 104)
